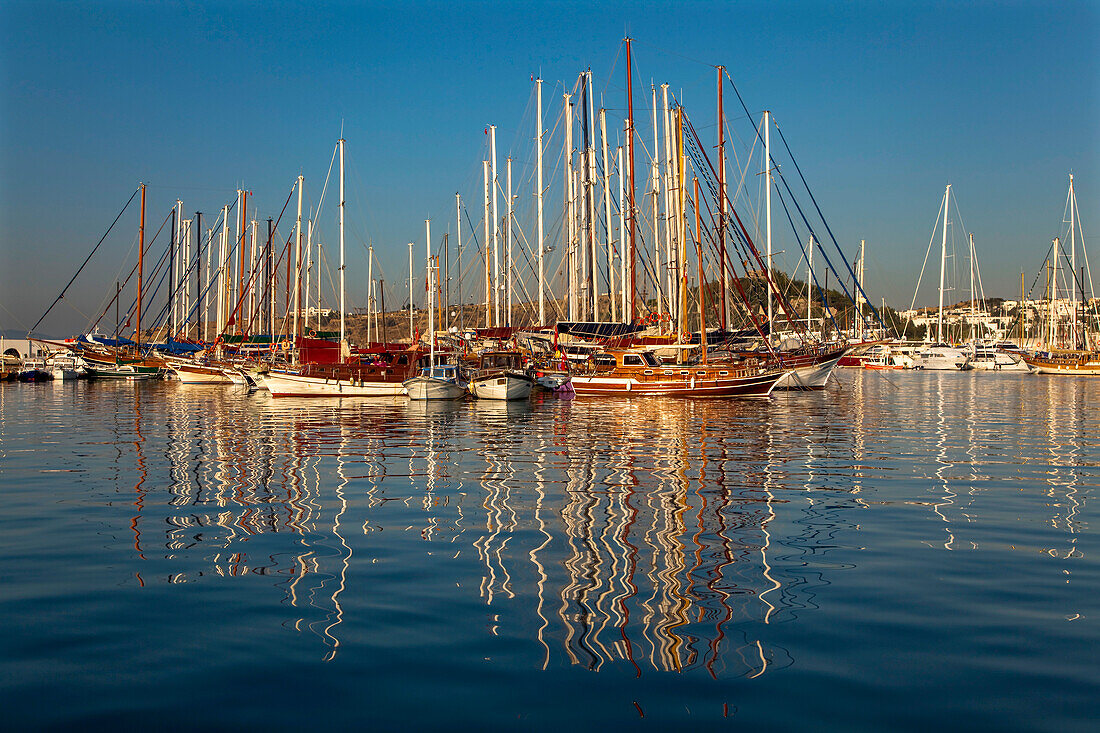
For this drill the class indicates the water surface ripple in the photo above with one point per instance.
(900, 552)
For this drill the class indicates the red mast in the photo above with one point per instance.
(630, 138)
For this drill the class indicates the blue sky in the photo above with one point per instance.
(883, 104)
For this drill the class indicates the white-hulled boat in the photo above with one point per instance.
(435, 381)
(941, 357)
(196, 372)
(989, 359)
(501, 376)
(439, 382)
(808, 371)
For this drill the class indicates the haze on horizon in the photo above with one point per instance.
(883, 104)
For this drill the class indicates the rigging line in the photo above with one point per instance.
(828, 229)
(89, 257)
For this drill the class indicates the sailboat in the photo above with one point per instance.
(378, 371)
(1071, 355)
(435, 381)
(941, 356)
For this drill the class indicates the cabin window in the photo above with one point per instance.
(651, 359)
(632, 360)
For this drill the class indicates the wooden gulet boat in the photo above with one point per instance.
(623, 372)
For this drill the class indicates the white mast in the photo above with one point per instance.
(607, 215)
(370, 291)
(943, 262)
(659, 267)
(309, 270)
(538, 199)
(973, 297)
(809, 282)
(222, 244)
(412, 341)
(298, 262)
(508, 249)
(187, 277)
(496, 228)
(768, 205)
(206, 288)
(488, 274)
(178, 269)
(569, 208)
(671, 183)
(590, 162)
(342, 249)
(1054, 294)
(431, 295)
(860, 299)
(1073, 260)
(458, 221)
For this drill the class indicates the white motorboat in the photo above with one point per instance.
(941, 357)
(501, 376)
(439, 382)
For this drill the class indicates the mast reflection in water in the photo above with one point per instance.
(638, 539)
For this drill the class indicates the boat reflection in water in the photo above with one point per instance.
(638, 534)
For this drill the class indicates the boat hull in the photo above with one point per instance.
(502, 387)
(1083, 364)
(198, 374)
(430, 388)
(287, 384)
(814, 375)
(760, 385)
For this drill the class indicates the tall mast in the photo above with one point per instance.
(488, 272)
(590, 167)
(570, 209)
(721, 203)
(508, 249)
(538, 200)
(671, 202)
(623, 291)
(206, 287)
(223, 244)
(458, 221)
(809, 281)
(680, 206)
(659, 268)
(242, 229)
(633, 209)
(342, 332)
(496, 227)
(370, 292)
(860, 300)
(1054, 292)
(141, 269)
(1073, 260)
(173, 268)
(431, 294)
(943, 263)
(607, 216)
(973, 297)
(768, 205)
(412, 337)
(253, 279)
(702, 290)
(298, 263)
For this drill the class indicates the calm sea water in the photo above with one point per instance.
(910, 551)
